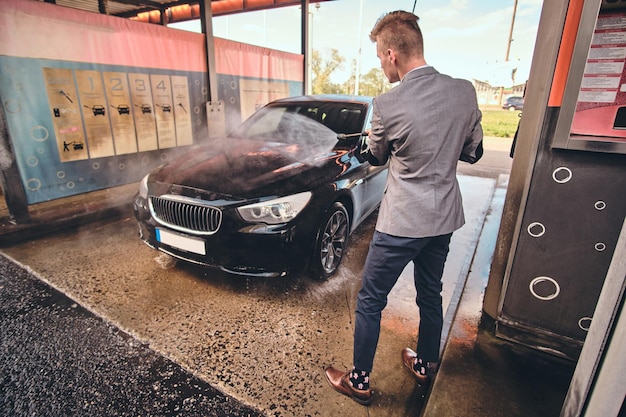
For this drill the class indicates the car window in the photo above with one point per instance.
(298, 128)
(297, 122)
(342, 120)
(267, 123)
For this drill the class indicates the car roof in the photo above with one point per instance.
(327, 97)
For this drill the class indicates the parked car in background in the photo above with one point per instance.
(513, 103)
(279, 195)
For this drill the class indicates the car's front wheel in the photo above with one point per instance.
(331, 243)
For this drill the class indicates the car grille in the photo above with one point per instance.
(186, 215)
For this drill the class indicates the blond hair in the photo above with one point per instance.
(399, 31)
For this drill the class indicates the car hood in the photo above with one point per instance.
(248, 169)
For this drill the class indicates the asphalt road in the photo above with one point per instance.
(59, 359)
(495, 160)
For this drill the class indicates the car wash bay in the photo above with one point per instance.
(265, 342)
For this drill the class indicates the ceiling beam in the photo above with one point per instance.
(220, 7)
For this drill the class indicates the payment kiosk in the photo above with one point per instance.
(557, 276)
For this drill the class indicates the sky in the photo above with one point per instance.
(462, 38)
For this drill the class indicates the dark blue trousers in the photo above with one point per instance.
(387, 257)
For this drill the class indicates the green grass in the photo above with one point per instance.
(499, 123)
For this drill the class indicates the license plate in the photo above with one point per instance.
(181, 242)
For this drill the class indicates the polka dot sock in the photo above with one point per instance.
(360, 379)
(419, 366)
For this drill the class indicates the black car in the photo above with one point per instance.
(98, 110)
(513, 103)
(279, 195)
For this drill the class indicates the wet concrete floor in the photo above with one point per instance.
(265, 342)
(482, 375)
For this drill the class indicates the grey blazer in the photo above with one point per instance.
(423, 127)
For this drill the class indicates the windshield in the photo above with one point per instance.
(303, 123)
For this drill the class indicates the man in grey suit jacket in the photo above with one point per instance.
(422, 127)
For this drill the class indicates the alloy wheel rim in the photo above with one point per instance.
(333, 241)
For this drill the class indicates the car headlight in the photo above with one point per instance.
(279, 210)
(143, 187)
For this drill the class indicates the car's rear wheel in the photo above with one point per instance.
(332, 240)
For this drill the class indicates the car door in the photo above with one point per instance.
(374, 177)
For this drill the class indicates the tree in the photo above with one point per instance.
(371, 84)
(322, 69)
(374, 83)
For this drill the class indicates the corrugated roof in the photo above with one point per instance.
(137, 9)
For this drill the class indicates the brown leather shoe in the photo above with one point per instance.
(408, 359)
(340, 381)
